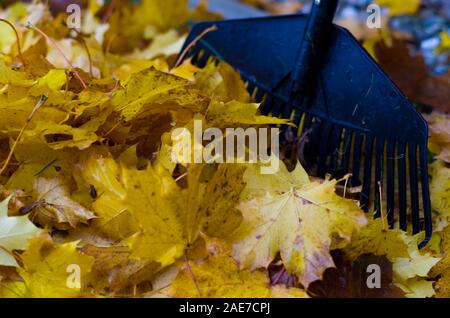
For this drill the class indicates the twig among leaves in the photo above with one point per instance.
(193, 43)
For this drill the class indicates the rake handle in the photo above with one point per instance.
(314, 42)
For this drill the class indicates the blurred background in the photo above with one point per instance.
(412, 45)
(424, 22)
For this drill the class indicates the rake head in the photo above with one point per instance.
(354, 117)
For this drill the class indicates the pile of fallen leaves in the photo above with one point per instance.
(93, 206)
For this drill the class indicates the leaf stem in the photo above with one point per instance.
(181, 177)
(7, 251)
(191, 275)
(66, 59)
(111, 130)
(19, 48)
(83, 42)
(278, 277)
(109, 11)
(41, 102)
(45, 167)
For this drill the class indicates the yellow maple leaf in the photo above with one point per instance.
(162, 14)
(186, 71)
(168, 43)
(210, 198)
(410, 273)
(281, 291)
(76, 52)
(440, 137)
(383, 36)
(128, 67)
(410, 266)
(58, 209)
(416, 288)
(218, 208)
(38, 160)
(193, 197)
(115, 270)
(302, 223)
(442, 269)
(416, 265)
(219, 276)
(152, 91)
(103, 173)
(12, 77)
(442, 286)
(14, 234)
(53, 80)
(283, 181)
(14, 113)
(400, 7)
(376, 238)
(445, 43)
(59, 136)
(151, 198)
(220, 114)
(47, 269)
(221, 82)
(440, 193)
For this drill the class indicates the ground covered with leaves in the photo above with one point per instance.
(88, 187)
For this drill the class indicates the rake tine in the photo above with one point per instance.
(314, 142)
(426, 196)
(334, 151)
(390, 190)
(307, 122)
(196, 53)
(412, 160)
(203, 59)
(365, 194)
(259, 95)
(287, 111)
(267, 105)
(250, 87)
(347, 144)
(277, 106)
(379, 156)
(401, 162)
(296, 107)
(324, 141)
(297, 119)
(253, 91)
(356, 160)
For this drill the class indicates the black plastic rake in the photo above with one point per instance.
(354, 117)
